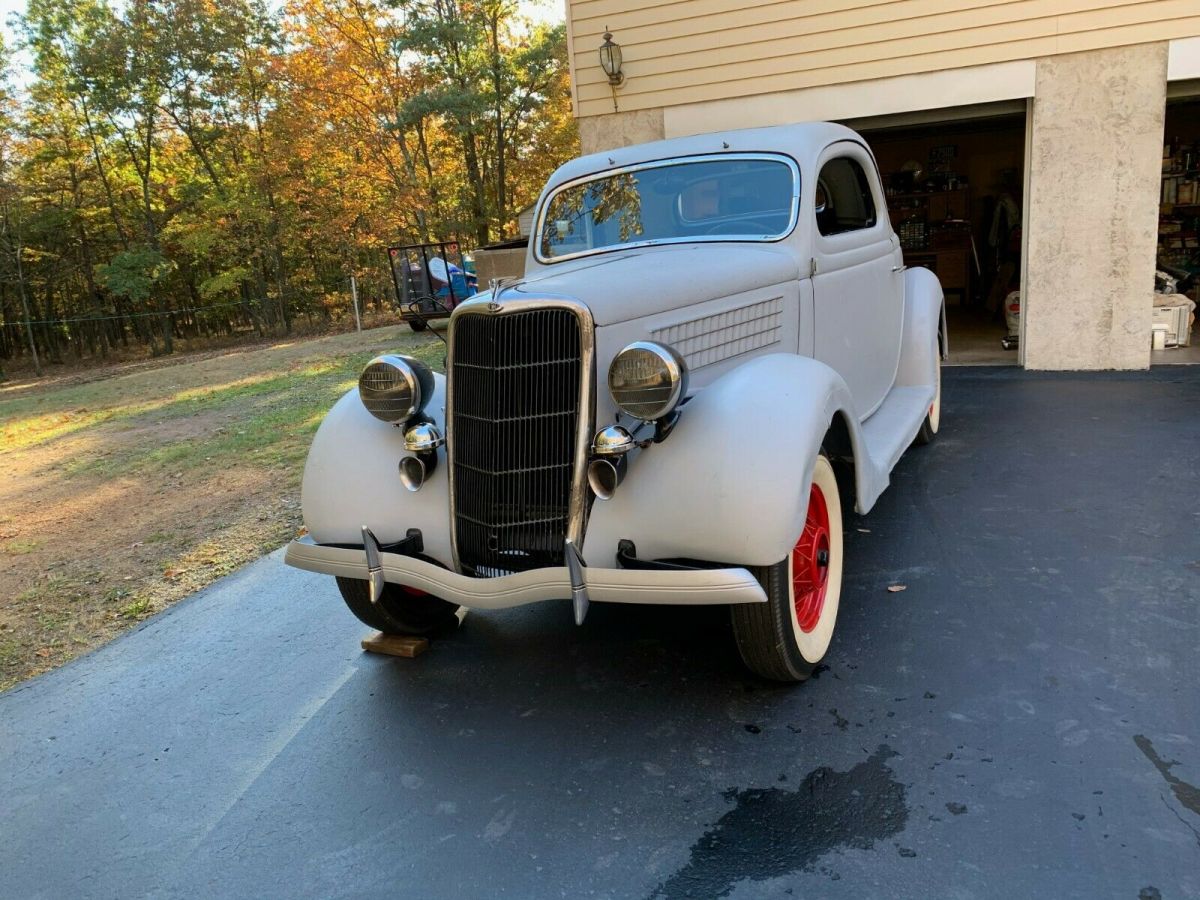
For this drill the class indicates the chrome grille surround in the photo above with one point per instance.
(521, 526)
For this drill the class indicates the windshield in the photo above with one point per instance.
(725, 198)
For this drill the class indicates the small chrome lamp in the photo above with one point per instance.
(610, 60)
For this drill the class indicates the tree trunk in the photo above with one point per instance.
(479, 222)
(501, 140)
(37, 363)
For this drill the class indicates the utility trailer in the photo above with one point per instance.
(430, 280)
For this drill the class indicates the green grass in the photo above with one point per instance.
(40, 429)
(10, 653)
(137, 609)
(272, 423)
(150, 397)
(54, 589)
(22, 546)
(268, 421)
(114, 595)
(53, 621)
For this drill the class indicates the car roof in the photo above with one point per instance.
(803, 141)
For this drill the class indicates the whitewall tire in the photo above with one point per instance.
(933, 419)
(786, 638)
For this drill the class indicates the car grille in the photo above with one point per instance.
(515, 419)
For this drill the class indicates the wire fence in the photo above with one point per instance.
(116, 316)
(88, 331)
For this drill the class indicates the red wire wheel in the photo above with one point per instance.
(810, 563)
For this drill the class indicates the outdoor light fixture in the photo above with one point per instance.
(610, 60)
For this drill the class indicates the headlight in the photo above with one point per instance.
(647, 380)
(395, 388)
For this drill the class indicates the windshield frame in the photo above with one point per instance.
(793, 218)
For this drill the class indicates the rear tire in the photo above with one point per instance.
(418, 325)
(401, 610)
(786, 638)
(933, 419)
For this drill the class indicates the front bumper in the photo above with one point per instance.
(698, 587)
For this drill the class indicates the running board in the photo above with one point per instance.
(888, 433)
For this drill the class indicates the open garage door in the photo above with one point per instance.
(956, 187)
(1177, 284)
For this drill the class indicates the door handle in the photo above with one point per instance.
(899, 268)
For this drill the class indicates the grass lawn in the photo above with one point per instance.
(129, 488)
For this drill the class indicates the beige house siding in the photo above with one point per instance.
(694, 51)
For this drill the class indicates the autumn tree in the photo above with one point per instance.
(12, 244)
(184, 169)
(487, 76)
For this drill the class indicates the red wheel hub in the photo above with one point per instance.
(810, 563)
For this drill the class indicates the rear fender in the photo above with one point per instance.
(924, 322)
(731, 482)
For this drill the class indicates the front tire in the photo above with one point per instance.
(786, 638)
(401, 610)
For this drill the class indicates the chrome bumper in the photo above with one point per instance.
(693, 587)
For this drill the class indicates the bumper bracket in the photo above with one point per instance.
(579, 591)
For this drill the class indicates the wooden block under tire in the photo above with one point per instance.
(395, 644)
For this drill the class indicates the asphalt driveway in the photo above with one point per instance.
(1023, 720)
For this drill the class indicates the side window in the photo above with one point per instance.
(844, 201)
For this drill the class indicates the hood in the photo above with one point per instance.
(629, 284)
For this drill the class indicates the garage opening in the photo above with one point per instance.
(1177, 282)
(955, 193)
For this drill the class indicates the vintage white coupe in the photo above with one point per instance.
(716, 344)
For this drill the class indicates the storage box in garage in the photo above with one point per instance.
(1175, 312)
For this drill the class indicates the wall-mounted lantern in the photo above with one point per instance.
(610, 60)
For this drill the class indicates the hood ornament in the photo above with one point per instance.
(497, 286)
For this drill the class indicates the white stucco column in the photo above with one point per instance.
(1095, 166)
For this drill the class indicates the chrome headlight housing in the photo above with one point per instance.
(647, 380)
(395, 388)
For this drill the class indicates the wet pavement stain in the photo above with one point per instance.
(1187, 794)
(771, 831)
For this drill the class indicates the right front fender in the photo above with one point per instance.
(731, 482)
(351, 480)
